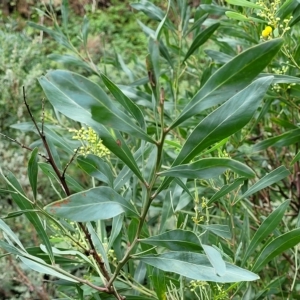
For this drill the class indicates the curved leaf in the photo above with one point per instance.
(269, 179)
(71, 93)
(215, 259)
(95, 204)
(223, 122)
(225, 189)
(176, 240)
(127, 103)
(285, 139)
(196, 266)
(96, 167)
(32, 171)
(23, 203)
(207, 168)
(244, 3)
(200, 39)
(276, 247)
(79, 109)
(231, 78)
(267, 226)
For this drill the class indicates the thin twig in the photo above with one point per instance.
(43, 114)
(23, 146)
(70, 161)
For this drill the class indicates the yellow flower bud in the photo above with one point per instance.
(267, 31)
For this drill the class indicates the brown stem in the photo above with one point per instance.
(62, 179)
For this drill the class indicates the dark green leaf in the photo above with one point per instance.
(266, 228)
(81, 99)
(200, 39)
(159, 283)
(224, 121)
(286, 8)
(277, 246)
(225, 189)
(176, 240)
(197, 24)
(81, 112)
(231, 78)
(274, 176)
(96, 167)
(285, 139)
(127, 103)
(207, 168)
(32, 171)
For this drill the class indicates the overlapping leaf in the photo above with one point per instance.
(95, 204)
(196, 266)
(231, 78)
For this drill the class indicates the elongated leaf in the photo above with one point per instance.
(215, 259)
(57, 35)
(285, 139)
(296, 158)
(200, 39)
(96, 167)
(49, 172)
(127, 103)
(281, 78)
(197, 24)
(267, 180)
(207, 168)
(267, 227)
(79, 109)
(152, 11)
(11, 234)
(219, 230)
(98, 245)
(226, 189)
(223, 122)
(176, 240)
(286, 8)
(95, 204)
(45, 269)
(85, 29)
(236, 16)
(70, 61)
(159, 283)
(116, 229)
(231, 78)
(277, 246)
(71, 92)
(33, 171)
(23, 203)
(196, 266)
(243, 3)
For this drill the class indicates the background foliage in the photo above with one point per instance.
(187, 167)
